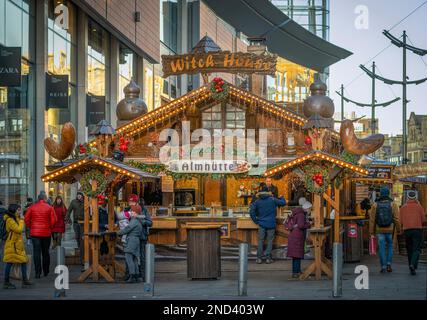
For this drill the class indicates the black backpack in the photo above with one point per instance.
(3, 232)
(384, 214)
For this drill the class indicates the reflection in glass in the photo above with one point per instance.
(127, 60)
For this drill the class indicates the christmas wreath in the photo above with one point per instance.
(316, 178)
(218, 89)
(87, 178)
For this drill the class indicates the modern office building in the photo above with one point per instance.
(76, 56)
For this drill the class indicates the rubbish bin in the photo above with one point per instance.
(353, 241)
(203, 252)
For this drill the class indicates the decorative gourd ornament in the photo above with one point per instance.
(131, 106)
(65, 147)
(357, 146)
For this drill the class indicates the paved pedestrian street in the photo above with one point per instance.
(264, 282)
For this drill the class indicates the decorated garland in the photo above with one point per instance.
(218, 89)
(86, 186)
(83, 150)
(316, 178)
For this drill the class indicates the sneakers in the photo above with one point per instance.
(8, 285)
(389, 269)
(383, 270)
(412, 269)
(269, 260)
(295, 275)
(259, 261)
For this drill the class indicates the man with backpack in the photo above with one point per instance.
(384, 221)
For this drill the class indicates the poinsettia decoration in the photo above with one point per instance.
(219, 88)
(101, 199)
(307, 141)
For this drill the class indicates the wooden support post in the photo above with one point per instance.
(317, 210)
(86, 227)
(337, 237)
(111, 244)
(95, 229)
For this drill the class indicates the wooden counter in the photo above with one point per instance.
(235, 230)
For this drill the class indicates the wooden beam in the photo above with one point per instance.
(337, 237)
(86, 230)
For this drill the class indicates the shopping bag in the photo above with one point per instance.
(15, 273)
(372, 246)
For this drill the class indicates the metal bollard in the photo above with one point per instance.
(337, 270)
(60, 261)
(149, 270)
(243, 270)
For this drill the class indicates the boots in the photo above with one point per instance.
(132, 279)
(8, 285)
(127, 277)
(26, 283)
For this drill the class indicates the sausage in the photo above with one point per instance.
(357, 146)
(65, 147)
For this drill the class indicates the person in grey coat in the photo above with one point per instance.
(133, 232)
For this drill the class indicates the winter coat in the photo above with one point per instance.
(133, 233)
(296, 237)
(263, 210)
(60, 213)
(14, 250)
(77, 209)
(40, 218)
(146, 222)
(395, 226)
(274, 190)
(412, 215)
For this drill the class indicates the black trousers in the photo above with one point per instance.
(414, 243)
(41, 247)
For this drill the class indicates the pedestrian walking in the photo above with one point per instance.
(133, 232)
(75, 215)
(41, 218)
(263, 213)
(412, 216)
(59, 228)
(14, 250)
(384, 221)
(297, 224)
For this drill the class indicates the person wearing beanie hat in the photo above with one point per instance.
(383, 222)
(412, 216)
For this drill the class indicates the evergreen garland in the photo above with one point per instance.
(86, 186)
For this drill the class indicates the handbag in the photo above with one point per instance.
(15, 272)
(373, 246)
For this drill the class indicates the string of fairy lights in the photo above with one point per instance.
(320, 156)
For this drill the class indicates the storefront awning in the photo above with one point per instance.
(285, 37)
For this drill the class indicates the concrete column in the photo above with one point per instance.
(114, 81)
(41, 129)
(82, 65)
(257, 81)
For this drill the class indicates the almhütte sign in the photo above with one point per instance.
(222, 61)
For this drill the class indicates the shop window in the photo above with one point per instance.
(127, 68)
(212, 118)
(148, 85)
(235, 118)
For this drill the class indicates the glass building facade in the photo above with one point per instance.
(17, 104)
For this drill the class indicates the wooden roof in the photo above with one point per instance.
(163, 113)
(71, 171)
(315, 156)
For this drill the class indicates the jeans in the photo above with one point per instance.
(296, 265)
(8, 268)
(386, 256)
(132, 263)
(41, 252)
(262, 234)
(78, 233)
(414, 242)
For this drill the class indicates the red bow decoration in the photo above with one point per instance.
(307, 141)
(318, 178)
(82, 149)
(219, 82)
(123, 144)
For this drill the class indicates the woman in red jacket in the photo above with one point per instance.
(59, 228)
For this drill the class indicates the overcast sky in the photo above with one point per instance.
(366, 43)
